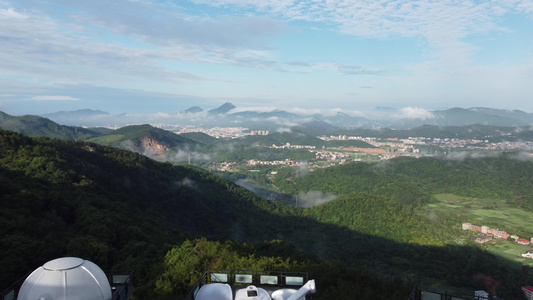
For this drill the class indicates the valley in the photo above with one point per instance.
(381, 149)
(384, 207)
(499, 214)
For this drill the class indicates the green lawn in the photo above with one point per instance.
(510, 251)
(493, 213)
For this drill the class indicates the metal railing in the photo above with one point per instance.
(121, 284)
(243, 278)
(424, 293)
(11, 292)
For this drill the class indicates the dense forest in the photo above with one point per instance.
(118, 209)
(413, 180)
(123, 210)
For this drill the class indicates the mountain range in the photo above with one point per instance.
(123, 210)
(161, 144)
(229, 115)
(80, 188)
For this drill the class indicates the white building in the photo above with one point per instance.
(481, 295)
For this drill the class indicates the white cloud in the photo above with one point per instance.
(524, 156)
(414, 113)
(258, 109)
(313, 198)
(443, 24)
(176, 46)
(54, 98)
(125, 43)
(527, 7)
(345, 69)
(304, 111)
(10, 13)
(460, 156)
(283, 130)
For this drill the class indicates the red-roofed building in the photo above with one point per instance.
(528, 291)
(523, 242)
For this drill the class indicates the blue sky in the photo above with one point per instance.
(148, 56)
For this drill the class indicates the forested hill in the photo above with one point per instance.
(123, 210)
(117, 208)
(37, 126)
(413, 180)
(135, 133)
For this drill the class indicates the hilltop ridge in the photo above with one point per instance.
(123, 210)
(228, 114)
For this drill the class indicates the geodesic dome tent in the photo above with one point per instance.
(66, 278)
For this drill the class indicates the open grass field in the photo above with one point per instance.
(493, 213)
(496, 214)
(511, 252)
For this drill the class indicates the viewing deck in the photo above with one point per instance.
(278, 285)
(425, 293)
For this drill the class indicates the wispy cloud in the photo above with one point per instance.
(414, 113)
(122, 40)
(443, 24)
(313, 198)
(55, 98)
(250, 49)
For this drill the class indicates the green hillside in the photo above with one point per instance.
(37, 126)
(259, 147)
(415, 180)
(199, 137)
(137, 132)
(125, 211)
(476, 131)
(118, 208)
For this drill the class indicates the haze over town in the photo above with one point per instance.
(164, 56)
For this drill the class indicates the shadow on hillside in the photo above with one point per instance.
(117, 208)
(458, 266)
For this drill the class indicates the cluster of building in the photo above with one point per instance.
(286, 162)
(487, 233)
(331, 156)
(224, 166)
(217, 132)
(288, 146)
(439, 142)
(223, 132)
(259, 132)
(498, 233)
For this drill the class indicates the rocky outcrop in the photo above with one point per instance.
(152, 148)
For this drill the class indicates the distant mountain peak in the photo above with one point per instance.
(192, 110)
(76, 113)
(227, 105)
(223, 109)
(342, 114)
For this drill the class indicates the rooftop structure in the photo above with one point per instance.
(71, 278)
(252, 285)
(424, 293)
(528, 292)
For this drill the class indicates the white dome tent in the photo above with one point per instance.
(66, 278)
